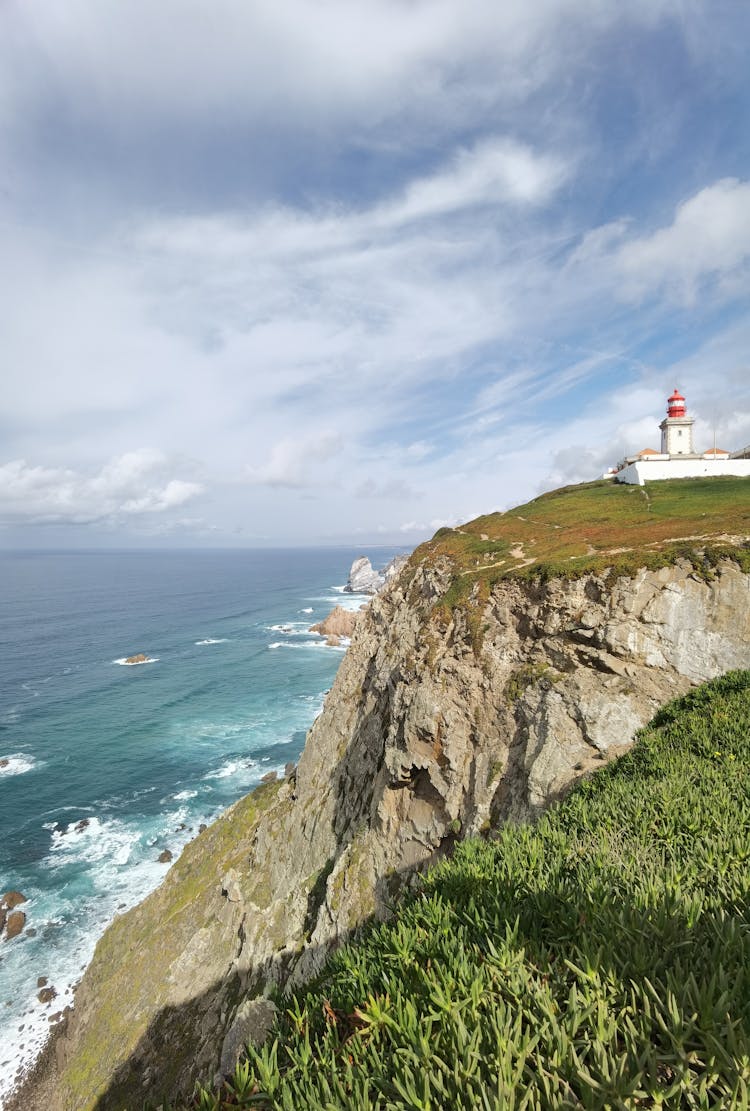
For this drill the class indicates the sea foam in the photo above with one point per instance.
(18, 763)
(125, 661)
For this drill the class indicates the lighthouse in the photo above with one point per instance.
(677, 427)
(677, 458)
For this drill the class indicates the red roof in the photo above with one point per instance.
(649, 451)
(716, 451)
(676, 396)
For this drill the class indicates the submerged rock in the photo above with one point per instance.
(165, 856)
(15, 924)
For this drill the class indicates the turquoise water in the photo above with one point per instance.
(110, 764)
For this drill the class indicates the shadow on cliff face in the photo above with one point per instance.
(184, 1042)
(159, 1067)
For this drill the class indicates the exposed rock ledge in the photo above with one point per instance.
(426, 735)
(339, 623)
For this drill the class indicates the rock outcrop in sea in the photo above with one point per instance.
(339, 623)
(453, 710)
(12, 921)
(364, 579)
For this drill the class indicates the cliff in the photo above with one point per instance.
(479, 686)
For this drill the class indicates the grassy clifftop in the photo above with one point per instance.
(596, 526)
(600, 958)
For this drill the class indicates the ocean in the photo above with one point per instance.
(105, 765)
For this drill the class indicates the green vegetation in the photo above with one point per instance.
(527, 676)
(595, 527)
(598, 959)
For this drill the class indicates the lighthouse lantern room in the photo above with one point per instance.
(677, 427)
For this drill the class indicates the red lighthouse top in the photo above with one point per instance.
(676, 405)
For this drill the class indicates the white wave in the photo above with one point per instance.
(125, 869)
(289, 628)
(184, 795)
(319, 643)
(18, 763)
(308, 609)
(213, 640)
(351, 602)
(125, 661)
(91, 840)
(232, 767)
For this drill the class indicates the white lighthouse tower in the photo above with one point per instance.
(677, 428)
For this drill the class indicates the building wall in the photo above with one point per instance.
(677, 435)
(637, 473)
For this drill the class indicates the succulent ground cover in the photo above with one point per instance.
(597, 959)
(597, 527)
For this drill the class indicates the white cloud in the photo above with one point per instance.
(292, 462)
(128, 486)
(368, 61)
(393, 489)
(708, 238)
(496, 171)
(362, 283)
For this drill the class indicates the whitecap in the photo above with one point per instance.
(18, 763)
(212, 640)
(125, 661)
(352, 602)
(308, 609)
(319, 643)
(120, 879)
(232, 767)
(182, 796)
(91, 840)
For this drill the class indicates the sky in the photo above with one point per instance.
(346, 271)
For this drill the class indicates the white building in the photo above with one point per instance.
(677, 458)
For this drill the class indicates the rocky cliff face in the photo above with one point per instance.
(437, 726)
